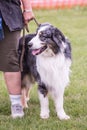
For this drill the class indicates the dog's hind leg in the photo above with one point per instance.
(26, 86)
(23, 98)
(26, 96)
(28, 93)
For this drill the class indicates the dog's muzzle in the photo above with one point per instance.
(36, 51)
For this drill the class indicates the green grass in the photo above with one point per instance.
(73, 23)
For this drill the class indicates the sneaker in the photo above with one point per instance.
(17, 111)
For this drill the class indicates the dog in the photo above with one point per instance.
(47, 60)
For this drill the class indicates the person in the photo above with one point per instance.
(14, 19)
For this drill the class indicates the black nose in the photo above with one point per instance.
(30, 44)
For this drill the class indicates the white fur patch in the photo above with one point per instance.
(54, 71)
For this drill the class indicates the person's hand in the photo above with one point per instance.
(28, 16)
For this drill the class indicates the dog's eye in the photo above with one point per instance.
(41, 33)
(42, 36)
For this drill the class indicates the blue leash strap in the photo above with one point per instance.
(1, 28)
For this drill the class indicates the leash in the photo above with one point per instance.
(36, 22)
(23, 50)
(23, 43)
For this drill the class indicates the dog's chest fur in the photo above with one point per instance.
(54, 71)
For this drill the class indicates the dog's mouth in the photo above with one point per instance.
(39, 51)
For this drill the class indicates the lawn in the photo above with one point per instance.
(73, 23)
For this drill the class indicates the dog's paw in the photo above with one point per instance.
(25, 106)
(27, 99)
(66, 117)
(44, 115)
(63, 116)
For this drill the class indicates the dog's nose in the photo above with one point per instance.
(30, 44)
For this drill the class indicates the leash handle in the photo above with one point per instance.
(26, 26)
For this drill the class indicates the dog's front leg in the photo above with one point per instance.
(58, 99)
(44, 104)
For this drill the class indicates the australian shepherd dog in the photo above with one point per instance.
(47, 61)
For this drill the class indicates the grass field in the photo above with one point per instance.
(73, 24)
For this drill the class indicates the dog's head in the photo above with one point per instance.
(48, 41)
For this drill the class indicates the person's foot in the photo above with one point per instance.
(17, 111)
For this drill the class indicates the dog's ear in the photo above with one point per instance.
(57, 36)
(68, 49)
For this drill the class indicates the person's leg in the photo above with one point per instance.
(13, 82)
(10, 66)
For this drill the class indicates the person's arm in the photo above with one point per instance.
(27, 11)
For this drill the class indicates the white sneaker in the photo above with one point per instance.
(17, 111)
